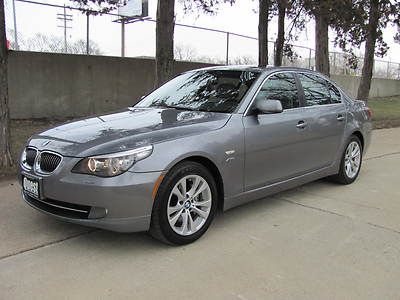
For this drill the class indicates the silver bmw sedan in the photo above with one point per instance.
(208, 139)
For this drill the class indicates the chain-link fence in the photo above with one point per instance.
(61, 29)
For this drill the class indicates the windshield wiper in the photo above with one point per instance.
(175, 107)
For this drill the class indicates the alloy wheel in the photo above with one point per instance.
(189, 205)
(352, 159)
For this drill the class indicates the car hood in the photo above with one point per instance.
(124, 130)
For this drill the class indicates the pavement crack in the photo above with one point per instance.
(303, 190)
(48, 244)
(382, 155)
(383, 227)
(314, 208)
(340, 215)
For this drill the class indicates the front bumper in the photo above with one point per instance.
(122, 203)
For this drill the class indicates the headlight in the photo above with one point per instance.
(111, 164)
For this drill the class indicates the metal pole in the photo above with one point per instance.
(122, 38)
(309, 59)
(398, 71)
(87, 35)
(65, 29)
(15, 27)
(334, 62)
(227, 48)
(388, 70)
(273, 52)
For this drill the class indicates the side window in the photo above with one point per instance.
(336, 97)
(282, 87)
(316, 91)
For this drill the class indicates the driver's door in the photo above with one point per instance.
(276, 144)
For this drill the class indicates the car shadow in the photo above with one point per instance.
(96, 239)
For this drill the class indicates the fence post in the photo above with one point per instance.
(398, 71)
(122, 38)
(15, 26)
(334, 62)
(87, 35)
(273, 54)
(388, 70)
(227, 48)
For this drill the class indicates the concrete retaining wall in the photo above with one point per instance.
(43, 85)
(379, 87)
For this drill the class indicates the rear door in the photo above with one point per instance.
(325, 114)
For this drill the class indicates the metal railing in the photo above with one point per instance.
(66, 29)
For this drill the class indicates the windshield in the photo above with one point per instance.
(211, 90)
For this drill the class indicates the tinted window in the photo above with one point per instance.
(282, 87)
(211, 90)
(316, 91)
(336, 97)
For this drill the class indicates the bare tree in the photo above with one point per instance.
(326, 13)
(322, 40)
(165, 40)
(244, 60)
(185, 52)
(264, 6)
(5, 149)
(370, 44)
(165, 32)
(365, 23)
(50, 43)
(280, 40)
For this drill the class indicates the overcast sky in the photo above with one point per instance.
(140, 37)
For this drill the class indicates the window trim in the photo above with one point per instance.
(247, 111)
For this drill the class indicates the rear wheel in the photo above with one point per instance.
(185, 204)
(351, 162)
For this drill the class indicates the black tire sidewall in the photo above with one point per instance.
(161, 205)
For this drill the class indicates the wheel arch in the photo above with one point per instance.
(212, 167)
(358, 134)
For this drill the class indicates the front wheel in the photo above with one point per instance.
(351, 162)
(185, 204)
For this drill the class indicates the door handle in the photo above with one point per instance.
(301, 125)
(340, 118)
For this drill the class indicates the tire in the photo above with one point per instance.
(172, 210)
(345, 176)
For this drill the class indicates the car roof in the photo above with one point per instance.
(254, 68)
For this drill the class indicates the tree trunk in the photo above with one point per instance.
(370, 43)
(322, 42)
(263, 33)
(165, 40)
(5, 153)
(280, 40)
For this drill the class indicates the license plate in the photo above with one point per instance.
(31, 187)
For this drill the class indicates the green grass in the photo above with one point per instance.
(386, 114)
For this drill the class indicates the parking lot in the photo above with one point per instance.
(319, 241)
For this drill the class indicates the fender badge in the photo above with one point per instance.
(230, 152)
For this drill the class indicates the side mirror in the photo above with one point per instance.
(269, 106)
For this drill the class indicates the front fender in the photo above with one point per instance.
(224, 147)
